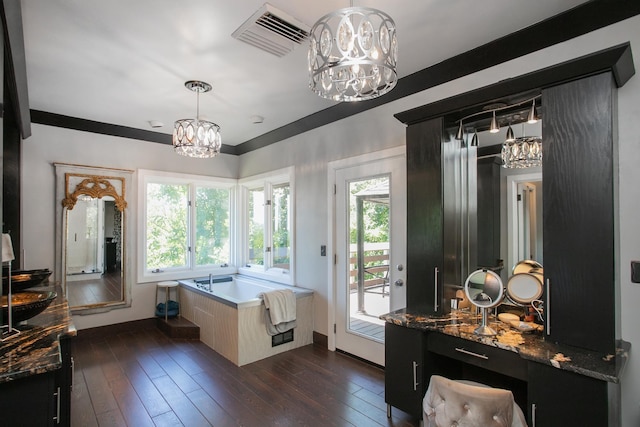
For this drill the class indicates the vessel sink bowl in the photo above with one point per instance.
(25, 305)
(23, 279)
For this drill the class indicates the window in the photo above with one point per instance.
(187, 225)
(268, 224)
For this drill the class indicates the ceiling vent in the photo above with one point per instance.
(272, 30)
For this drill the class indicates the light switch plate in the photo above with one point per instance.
(635, 271)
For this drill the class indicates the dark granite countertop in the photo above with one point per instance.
(36, 349)
(530, 345)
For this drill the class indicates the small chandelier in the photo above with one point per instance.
(353, 54)
(195, 137)
(523, 152)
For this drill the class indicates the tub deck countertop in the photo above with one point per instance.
(246, 293)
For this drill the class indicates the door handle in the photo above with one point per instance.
(547, 308)
(435, 289)
(398, 282)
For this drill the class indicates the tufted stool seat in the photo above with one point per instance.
(449, 403)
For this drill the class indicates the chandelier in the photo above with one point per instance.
(353, 54)
(522, 152)
(196, 137)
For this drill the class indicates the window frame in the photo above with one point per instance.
(192, 181)
(266, 181)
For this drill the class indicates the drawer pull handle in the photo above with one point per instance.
(471, 353)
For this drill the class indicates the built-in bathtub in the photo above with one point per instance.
(231, 316)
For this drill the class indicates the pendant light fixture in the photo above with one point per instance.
(494, 127)
(510, 136)
(195, 137)
(353, 54)
(532, 117)
(474, 140)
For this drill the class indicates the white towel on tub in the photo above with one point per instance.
(281, 305)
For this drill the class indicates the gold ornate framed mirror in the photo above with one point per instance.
(92, 237)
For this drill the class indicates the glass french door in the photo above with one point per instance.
(370, 214)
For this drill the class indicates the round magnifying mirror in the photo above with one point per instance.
(524, 288)
(484, 289)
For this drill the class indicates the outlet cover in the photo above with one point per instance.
(635, 271)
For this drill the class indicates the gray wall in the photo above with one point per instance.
(310, 152)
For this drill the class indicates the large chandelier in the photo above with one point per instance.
(196, 137)
(353, 54)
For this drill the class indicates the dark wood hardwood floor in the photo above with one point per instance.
(143, 378)
(93, 291)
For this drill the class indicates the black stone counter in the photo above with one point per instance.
(37, 349)
(530, 345)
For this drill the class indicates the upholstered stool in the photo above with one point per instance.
(167, 287)
(465, 403)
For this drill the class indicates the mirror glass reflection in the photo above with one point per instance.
(509, 207)
(93, 264)
(484, 288)
(94, 252)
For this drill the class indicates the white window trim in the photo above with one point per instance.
(266, 180)
(145, 176)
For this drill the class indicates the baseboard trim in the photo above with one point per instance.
(320, 339)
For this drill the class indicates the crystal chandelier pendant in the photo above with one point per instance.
(353, 54)
(523, 152)
(195, 137)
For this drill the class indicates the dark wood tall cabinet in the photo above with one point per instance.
(579, 151)
(425, 257)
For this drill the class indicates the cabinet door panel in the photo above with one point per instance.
(563, 398)
(404, 383)
(424, 215)
(578, 131)
(28, 401)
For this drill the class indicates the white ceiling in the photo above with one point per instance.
(125, 62)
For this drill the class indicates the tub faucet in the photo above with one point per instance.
(210, 281)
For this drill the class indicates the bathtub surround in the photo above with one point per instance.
(232, 318)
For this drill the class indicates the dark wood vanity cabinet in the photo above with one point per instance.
(29, 401)
(581, 300)
(561, 398)
(404, 375)
(578, 202)
(39, 400)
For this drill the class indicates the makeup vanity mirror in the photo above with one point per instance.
(92, 235)
(504, 205)
(484, 289)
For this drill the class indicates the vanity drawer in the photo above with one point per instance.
(494, 359)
